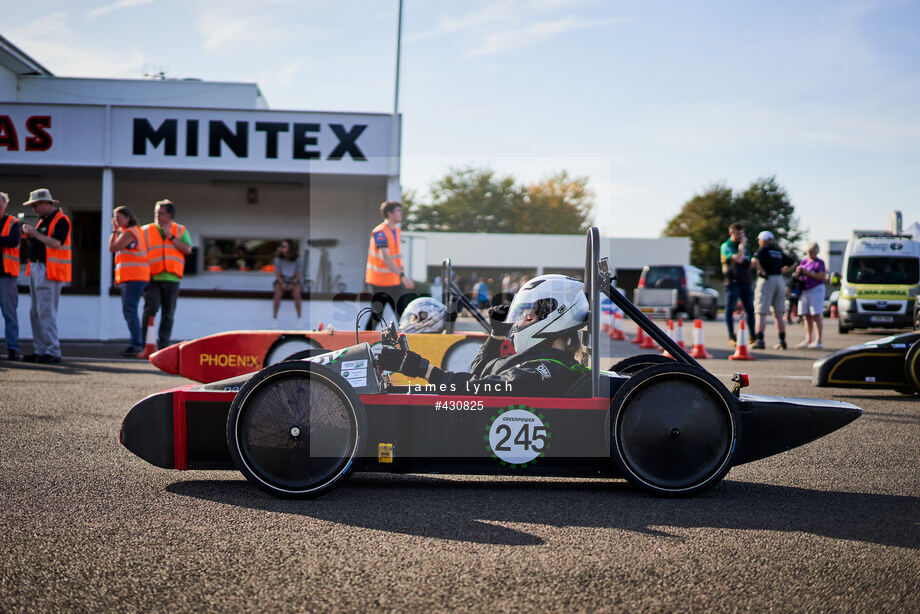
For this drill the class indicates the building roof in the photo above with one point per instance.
(17, 61)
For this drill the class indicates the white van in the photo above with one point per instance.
(880, 281)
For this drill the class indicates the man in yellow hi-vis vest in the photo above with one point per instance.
(10, 237)
(49, 269)
(168, 243)
(384, 272)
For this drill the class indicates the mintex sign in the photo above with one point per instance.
(142, 137)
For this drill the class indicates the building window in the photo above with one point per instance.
(240, 255)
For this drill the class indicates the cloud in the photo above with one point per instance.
(538, 32)
(249, 25)
(65, 52)
(512, 24)
(41, 28)
(112, 7)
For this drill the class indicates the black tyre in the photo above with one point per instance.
(634, 364)
(674, 429)
(713, 311)
(306, 354)
(912, 368)
(843, 330)
(295, 429)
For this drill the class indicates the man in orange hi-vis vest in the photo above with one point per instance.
(50, 269)
(384, 272)
(10, 236)
(168, 243)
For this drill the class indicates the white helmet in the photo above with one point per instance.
(423, 315)
(546, 307)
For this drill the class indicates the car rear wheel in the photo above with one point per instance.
(634, 364)
(674, 429)
(295, 429)
(912, 368)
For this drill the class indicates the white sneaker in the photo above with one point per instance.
(274, 323)
(815, 346)
(801, 345)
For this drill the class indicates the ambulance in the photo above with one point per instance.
(880, 281)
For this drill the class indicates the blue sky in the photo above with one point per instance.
(653, 101)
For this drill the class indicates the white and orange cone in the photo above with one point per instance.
(647, 343)
(699, 346)
(616, 331)
(150, 344)
(664, 352)
(679, 333)
(741, 350)
(640, 336)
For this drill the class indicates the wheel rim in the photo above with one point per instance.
(675, 432)
(297, 432)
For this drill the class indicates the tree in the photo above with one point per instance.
(556, 205)
(477, 200)
(765, 205)
(705, 218)
(466, 200)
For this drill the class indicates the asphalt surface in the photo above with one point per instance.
(833, 526)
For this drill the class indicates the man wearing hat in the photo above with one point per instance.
(770, 263)
(50, 264)
(10, 237)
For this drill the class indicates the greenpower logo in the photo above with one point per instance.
(517, 437)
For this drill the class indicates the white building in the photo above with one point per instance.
(243, 177)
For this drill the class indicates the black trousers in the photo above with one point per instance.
(394, 296)
(160, 294)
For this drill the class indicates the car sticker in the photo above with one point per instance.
(517, 436)
(354, 364)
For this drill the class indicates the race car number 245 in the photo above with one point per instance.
(517, 436)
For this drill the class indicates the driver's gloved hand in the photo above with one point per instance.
(497, 323)
(400, 361)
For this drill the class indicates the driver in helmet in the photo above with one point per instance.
(423, 315)
(542, 324)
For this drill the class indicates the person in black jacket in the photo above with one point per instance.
(542, 324)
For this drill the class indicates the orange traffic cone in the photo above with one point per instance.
(648, 343)
(664, 352)
(699, 346)
(640, 337)
(680, 333)
(150, 344)
(741, 350)
(833, 311)
(616, 332)
(605, 324)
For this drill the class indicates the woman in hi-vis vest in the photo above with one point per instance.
(385, 275)
(132, 272)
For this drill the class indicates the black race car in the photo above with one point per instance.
(890, 362)
(298, 428)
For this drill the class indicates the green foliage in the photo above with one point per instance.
(556, 205)
(478, 200)
(705, 218)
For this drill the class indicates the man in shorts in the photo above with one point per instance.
(770, 263)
